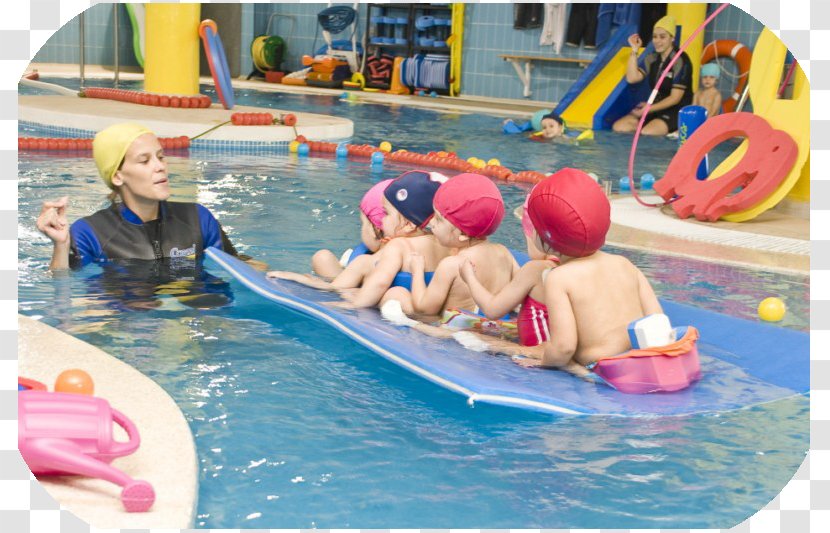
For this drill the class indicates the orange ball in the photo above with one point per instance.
(75, 381)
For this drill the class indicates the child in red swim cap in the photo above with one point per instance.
(593, 295)
(468, 208)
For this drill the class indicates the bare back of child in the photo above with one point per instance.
(592, 301)
(592, 296)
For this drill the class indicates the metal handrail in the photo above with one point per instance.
(115, 43)
(82, 62)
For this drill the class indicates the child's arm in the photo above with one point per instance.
(430, 300)
(696, 100)
(355, 272)
(305, 279)
(648, 300)
(495, 306)
(350, 278)
(381, 277)
(561, 347)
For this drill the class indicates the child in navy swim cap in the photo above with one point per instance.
(348, 271)
(468, 208)
(408, 205)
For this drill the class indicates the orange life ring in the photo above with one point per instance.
(742, 57)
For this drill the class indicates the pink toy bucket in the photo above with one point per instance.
(73, 434)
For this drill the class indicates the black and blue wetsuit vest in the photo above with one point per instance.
(183, 230)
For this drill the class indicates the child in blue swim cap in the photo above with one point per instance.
(408, 205)
(709, 96)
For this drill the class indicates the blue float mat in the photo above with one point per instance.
(744, 363)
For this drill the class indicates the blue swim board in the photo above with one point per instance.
(744, 363)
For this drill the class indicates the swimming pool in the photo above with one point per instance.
(296, 426)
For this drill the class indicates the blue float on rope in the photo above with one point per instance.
(218, 63)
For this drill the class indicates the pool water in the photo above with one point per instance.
(297, 426)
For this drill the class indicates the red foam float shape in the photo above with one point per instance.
(769, 157)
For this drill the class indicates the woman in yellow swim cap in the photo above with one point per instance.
(141, 223)
(674, 93)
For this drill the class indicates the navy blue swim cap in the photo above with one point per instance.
(411, 194)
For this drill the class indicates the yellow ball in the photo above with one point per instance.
(472, 160)
(385, 146)
(772, 309)
(292, 147)
(494, 162)
(480, 163)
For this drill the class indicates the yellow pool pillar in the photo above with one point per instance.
(171, 62)
(689, 17)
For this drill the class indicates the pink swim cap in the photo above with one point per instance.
(570, 212)
(472, 203)
(372, 203)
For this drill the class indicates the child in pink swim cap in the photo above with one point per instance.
(327, 265)
(592, 295)
(468, 208)
(525, 289)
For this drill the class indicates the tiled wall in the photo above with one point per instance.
(64, 46)
(488, 32)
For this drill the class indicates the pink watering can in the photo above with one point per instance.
(62, 433)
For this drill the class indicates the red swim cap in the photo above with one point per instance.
(472, 203)
(570, 212)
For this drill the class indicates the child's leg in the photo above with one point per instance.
(626, 124)
(497, 345)
(402, 295)
(325, 264)
(352, 276)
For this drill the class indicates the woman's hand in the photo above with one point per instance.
(52, 220)
(635, 42)
(638, 110)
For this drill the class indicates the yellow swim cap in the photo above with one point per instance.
(110, 146)
(667, 23)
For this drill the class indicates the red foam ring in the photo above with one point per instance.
(175, 101)
(184, 102)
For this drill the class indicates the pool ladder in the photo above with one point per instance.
(115, 42)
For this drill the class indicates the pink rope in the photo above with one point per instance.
(648, 106)
(788, 78)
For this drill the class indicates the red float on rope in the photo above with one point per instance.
(60, 144)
